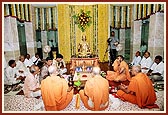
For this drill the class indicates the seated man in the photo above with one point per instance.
(139, 91)
(146, 62)
(56, 93)
(95, 95)
(121, 70)
(31, 86)
(21, 67)
(35, 59)
(83, 48)
(137, 59)
(28, 62)
(156, 72)
(44, 70)
(11, 78)
(60, 64)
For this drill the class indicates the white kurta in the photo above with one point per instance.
(21, 66)
(146, 62)
(10, 76)
(43, 73)
(158, 68)
(30, 84)
(58, 65)
(136, 60)
(34, 60)
(28, 62)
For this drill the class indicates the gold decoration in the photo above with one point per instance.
(22, 12)
(102, 31)
(112, 16)
(154, 8)
(6, 10)
(157, 7)
(128, 16)
(135, 11)
(30, 13)
(26, 12)
(117, 18)
(49, 18)
(13, 9)
(42, 18)
(18, 11)
(139, 11)
(149, 9)
(123, 16)
(46, 25)
(36, 17)
(162, 7)
(54, 17)
(144, 10)
(64, 39)
(83, 20)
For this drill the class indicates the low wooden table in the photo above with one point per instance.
(83, 62)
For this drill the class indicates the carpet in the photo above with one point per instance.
(20, 103)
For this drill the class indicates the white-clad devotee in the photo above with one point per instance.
(39, 48)
(31, 86)
(156, 71)
(35, 59)
(137, 59)
(21, 67)
(146, 62)
(44, 70)
(10, 73)
(60, 64)
(28, 62)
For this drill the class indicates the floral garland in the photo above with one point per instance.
(83, 20)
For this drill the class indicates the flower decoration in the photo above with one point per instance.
(83, 20)
(103, 74)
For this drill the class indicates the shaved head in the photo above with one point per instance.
(52, 70)
(96, 70)
(136, 69)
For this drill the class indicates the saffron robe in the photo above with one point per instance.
(115, 75)
(54, 93)
(96, 92)
(143, 93)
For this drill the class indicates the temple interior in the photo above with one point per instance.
(63, 28)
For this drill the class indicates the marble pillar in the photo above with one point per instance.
(44, 42)
(156, 41)
(122, 41)
(30, 42)
(136, 38)
(10, 39)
